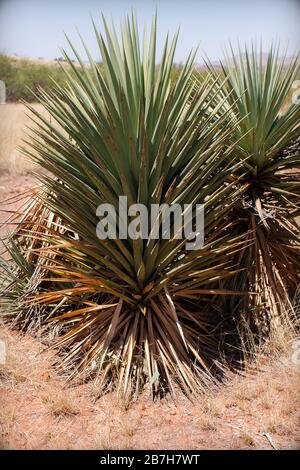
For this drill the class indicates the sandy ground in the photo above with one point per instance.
(38, 410)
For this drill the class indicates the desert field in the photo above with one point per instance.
(256, 410)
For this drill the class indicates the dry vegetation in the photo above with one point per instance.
(13, 122)
(37, 412)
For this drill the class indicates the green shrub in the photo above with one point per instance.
(22, 75)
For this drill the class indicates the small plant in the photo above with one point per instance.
(248, 440)
(63, 407)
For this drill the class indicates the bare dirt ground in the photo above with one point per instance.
(38, 411)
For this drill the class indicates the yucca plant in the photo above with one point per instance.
(131, 313)
(258, 88)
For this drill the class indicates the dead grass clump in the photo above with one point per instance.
(63, 407)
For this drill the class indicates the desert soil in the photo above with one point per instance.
(38, 410)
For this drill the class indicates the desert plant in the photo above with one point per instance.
(257, 88)
(132, 313)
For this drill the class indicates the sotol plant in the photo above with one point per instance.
(258, 89)
(127, 311)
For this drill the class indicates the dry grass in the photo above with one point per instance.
(38, 412)
(13, 122)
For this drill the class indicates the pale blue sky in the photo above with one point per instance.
(35, 27)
